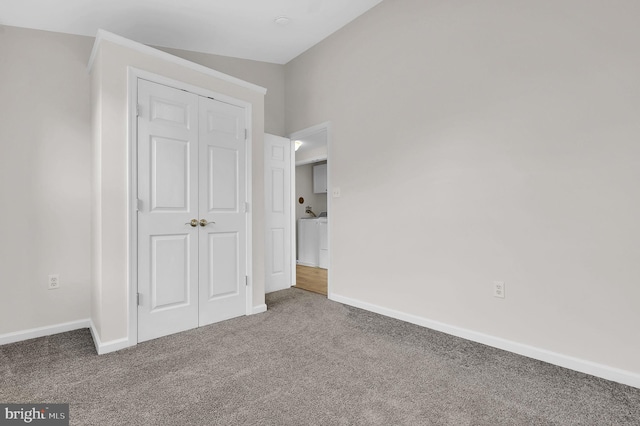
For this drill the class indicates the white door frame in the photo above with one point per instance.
(133, 75)
(301, 134)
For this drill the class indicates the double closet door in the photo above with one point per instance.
(192, 221)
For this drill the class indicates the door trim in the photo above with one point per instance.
(133, 75)
(300, 134)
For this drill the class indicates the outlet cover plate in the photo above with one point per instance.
(54, 281)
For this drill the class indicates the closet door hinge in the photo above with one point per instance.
(247, 207)
(138, 204)
(245, 134)
(138, 299)
(138, 110)
(246, 280)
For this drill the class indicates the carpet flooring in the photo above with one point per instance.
(307, 361)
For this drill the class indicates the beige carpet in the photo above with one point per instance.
(307, 361)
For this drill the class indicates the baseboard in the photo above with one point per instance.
(116, 345)
(259, 309)
(267, 291)
(599, 370)
(33, 333)
(106, 347)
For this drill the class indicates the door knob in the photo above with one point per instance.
(194, 223)
(203, 222)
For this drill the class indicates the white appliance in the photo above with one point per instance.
(313, 249)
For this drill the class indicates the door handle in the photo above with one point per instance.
(203, 222)
(194, 223)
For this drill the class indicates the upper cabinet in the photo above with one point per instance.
(320, 179)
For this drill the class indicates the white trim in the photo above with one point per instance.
(314, 160)
(106, 347)
(159, 79)
(301, 134)
(103, 35)
(134, 74)
(259, 309)
(248, 202)
(32, 333)
(327, 125)
(294, 230)
(572, 363)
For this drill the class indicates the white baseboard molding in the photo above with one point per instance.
(48, 330)
(588, 367)
(276, 289)
(106, 347)
(259, 309)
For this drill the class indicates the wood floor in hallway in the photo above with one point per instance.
(311, 279)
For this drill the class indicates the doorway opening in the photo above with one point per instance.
(312, 203)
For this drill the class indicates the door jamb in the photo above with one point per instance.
(133, 75)
(300, 134)
(292, 213)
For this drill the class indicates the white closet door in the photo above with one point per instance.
(222, 197)
(277, 177)
(168, 190)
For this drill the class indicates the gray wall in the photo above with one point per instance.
(45, 160)
(270, 76)
(493, 140)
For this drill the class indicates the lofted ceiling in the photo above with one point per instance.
(238, 28)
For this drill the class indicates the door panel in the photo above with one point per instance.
(169, 271)
(277, 251)
(219, 121)
(278, 213)
(169, 174)
(172, 112)
(277, 192)
(222, 204)
(222, 180)
(224, 270)
(167, 189)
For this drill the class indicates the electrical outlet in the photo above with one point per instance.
(54, 281)
(498, 289)
(336, 192)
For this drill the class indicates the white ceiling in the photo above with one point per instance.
(238, 28)
(312, 142)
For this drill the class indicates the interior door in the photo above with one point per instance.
(168, 194)
(277, 155)
(223, 189)
(192, 219)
